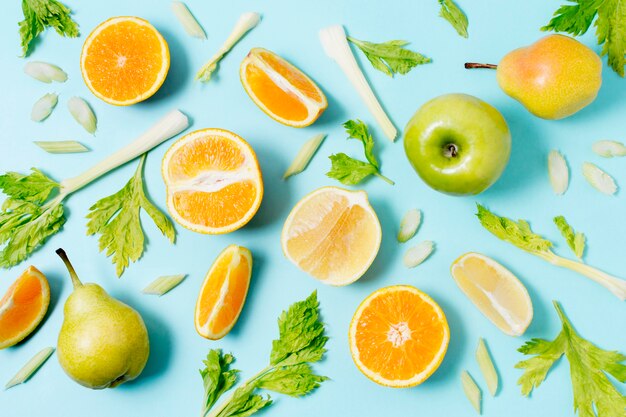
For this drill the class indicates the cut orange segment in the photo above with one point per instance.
(213, 181)
(332, 234)
(495, 291)
(398, 336)
(280, 89)
(124, 60)
(223, 292)
(23, 307)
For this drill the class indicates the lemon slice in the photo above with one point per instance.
(332, 234)
(495, 291)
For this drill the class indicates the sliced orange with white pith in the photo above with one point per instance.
(124, 60)
(223, 293)
(280, 89)
(23, 307)
(213, 181)
(398, 336)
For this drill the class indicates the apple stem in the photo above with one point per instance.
(470, 65)
(75, 281)
(382, 177)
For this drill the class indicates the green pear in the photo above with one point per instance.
(103, 342)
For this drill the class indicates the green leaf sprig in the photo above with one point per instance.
(577, 17)
(301, 342)
(40, 14)
(118, 215)
(350, 171)
(455, 16)
(575, 240)
(520, 234)
(390, 57)
(589, 366)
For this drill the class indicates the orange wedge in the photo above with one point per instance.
(213, 181)
(495, 291)
(23, 307)
(398, 336)
(280, 89)
(124, 60)
(332, 234)
(223, 292)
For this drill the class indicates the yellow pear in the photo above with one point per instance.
(553, 78)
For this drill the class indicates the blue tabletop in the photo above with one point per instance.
(170, 385)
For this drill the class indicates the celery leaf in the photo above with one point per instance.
(40, 14)
(455, 16)
(575, 240)
(390, 57)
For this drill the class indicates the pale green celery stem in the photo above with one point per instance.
(172, 124)
(215, 411)
(614, 284)
(382, 177)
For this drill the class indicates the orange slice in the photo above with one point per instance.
(213, 181)
(280, 89)
(23, 307)
(124, 60)
(495, 291)
(398, 336)
(223, 292)
(332, 234)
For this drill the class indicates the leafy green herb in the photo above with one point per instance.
(575, 240)
(301, 342)
(576, 18)
(519, 234)
(390, 57)
(350, 171)
(589, 366)
(453, 14)
(39, 14)
(118, 215)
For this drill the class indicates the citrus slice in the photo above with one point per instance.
(213, 181)
(332, 234)
(124, 60)
(398, 336)
(495, 291)
(223, 292)
(23, 307)
(280, 89)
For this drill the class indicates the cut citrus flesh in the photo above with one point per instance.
(398, 336)
(23, 307)
(223, 292)
(332, 234)
(280, 89)
(124, 60)
(495, 291)
(213, 181)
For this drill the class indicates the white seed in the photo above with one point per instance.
(599, 179)
(409, 225)
(609, 148)
(45, 72)
(186, 18)
(82, 113)
(418, 254)
(43, 107)
(558, 172)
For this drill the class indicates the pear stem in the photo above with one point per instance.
(75, 281)
(470, 65)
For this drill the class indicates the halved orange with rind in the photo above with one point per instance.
(280, 89)
(332, 234)
(124, 60)
(213, 181)
(398, 336)
(223, 292)
(23, 307)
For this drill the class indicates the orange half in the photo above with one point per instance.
(223, 292)
(23, 307)
(280, 89)
(398, 336)
(124, 60)
(213, 181)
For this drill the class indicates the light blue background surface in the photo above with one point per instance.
(170, 384)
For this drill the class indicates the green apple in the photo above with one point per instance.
(458, 144)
